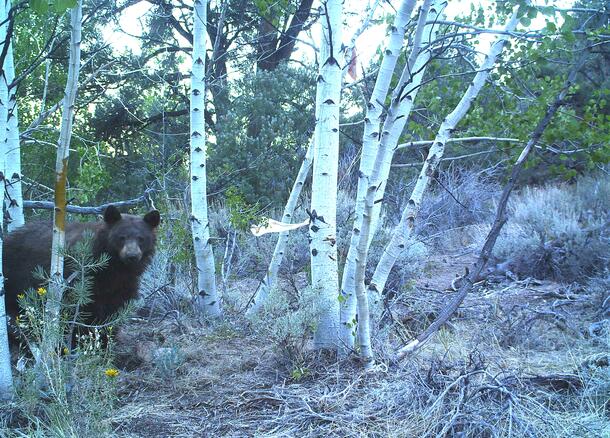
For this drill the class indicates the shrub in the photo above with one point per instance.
(558, 233)
(288, 320)
(441, 213)
(68, 391)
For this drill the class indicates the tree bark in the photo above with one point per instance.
(56, 286)
(6, 376)
(208, 300)
(14, 194)
(274, 47)
(323, 248)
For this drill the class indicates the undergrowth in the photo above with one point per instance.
(559, 233)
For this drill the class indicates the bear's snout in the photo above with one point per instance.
(131, 252)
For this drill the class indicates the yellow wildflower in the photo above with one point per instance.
(41, 291)
(20, 296)
(66, 351)
(111, 372)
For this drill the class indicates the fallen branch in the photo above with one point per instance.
(49, 205)
(499, 221)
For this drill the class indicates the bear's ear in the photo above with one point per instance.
(111, 215)
(152, 218)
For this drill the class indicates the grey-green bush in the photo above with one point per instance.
(558, 233)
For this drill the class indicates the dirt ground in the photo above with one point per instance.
(519, 359)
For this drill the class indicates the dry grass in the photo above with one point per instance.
(504, 367)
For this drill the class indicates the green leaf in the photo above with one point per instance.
(525, 21)
(532, 13)
(39, 6)
(63, 5)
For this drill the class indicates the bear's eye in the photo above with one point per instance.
(122, 238)
(140, 239)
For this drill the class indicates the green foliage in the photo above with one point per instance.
(299, 373)
(59, 6)
(241, 214)
(263, 136)
(92, 176)
(274, 10)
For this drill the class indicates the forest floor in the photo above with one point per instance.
(520, 358)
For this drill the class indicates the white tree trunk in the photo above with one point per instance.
(407, 88)
(208, 300)
(6, 377)
(323, 248)
(403, 230)
(61, 176)
(404, 96)
(13, 194)
(278, 254)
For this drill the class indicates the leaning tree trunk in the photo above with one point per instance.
(208, 301)
(323, 246)
(402, 232)
(56, 286)
(402, 102)
(278, 254)
(6, 377)
(13, 193)
(400, 107)
(403, 96)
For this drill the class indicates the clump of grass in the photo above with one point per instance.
(167, 361)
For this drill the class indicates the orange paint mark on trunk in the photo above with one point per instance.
(60, 196)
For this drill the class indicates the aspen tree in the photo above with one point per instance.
(208, 301)
(14, 193)
(323, 245)
(61, 175)
(403, 97)
(404, 229)
(6, 376)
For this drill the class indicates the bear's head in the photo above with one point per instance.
(131, 238)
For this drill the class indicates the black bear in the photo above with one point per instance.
(129, 241)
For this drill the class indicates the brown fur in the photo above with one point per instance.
(30, 246)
